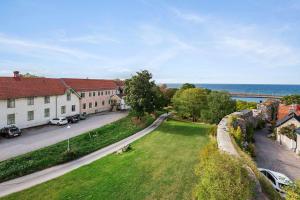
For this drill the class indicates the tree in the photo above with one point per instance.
(28, 75)
(190, 102)
(168, 93)
(187, 86)
(219, 104)
(142, 94)
(291, 99)
(244, 105)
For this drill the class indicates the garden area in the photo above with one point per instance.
(161, 165)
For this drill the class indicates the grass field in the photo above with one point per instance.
(159, 166)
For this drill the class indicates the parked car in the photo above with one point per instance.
(10, 131)
(82, 116)
(73, 119)
(59, 121)
(278, 180)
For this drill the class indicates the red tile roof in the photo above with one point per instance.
(19, 87)
(284, 110)
(90, 84)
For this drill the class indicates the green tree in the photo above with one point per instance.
(190, 102)
(244, 105)
(142, 94)
(187, 86)
(293, 191)
(291, 99)
(219, 104)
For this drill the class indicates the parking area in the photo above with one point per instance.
(39, 137)
(271, 155)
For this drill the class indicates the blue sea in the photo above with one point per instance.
(279, 90)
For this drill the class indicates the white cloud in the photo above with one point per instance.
(189, 16)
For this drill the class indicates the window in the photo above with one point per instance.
(109, 92)
(98, 93)
(84, 106)
(94, 93)
(102, 93)
(105, 92)
(90, 94)
(69, 97)
(271, 178)
(90, 105)
(73, 108)
(96, 104)
(30, 115)
(63, 109)
(30, 101)
(82, 94)
(103, 102)
(47, 112)
(108, 101)
(11, 119)
(11, 103)
(47, 99)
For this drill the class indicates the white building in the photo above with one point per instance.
(28, 102)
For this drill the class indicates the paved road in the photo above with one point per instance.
(38, 137)
(28, 181)
(271, 155)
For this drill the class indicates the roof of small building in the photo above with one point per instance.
(287, 118)
(20, 87)
(284, 110)
(90, 84)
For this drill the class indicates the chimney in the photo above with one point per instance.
(16, 74)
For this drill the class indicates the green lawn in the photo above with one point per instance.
(159, 166)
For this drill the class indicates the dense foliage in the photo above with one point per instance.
(222, 177)
(80, 145)
(142, 95)
(167, 93)
(219, 104)
(293, 191)
(291, 99)
(202, 104)
(244, 105)
(190, 102)
(289, 131)
(187, 86)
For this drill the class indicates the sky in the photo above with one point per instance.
(211, 41)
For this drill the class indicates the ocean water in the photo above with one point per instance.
(279, 90)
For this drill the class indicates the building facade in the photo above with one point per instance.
(95, 93)
(28, 102)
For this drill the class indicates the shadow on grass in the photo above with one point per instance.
(180, 128)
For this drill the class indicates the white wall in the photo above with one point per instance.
(21, 110)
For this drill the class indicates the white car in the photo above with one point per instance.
(59, 121)
(278, 180)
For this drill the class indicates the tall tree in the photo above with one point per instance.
(190, 102)
(219, 104)
(187, 86)
(142, 94)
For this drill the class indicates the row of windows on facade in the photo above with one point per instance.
(108, 92)
(11, 103)
(96, 104)
(11, 118)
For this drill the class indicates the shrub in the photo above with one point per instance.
(222, 177)
(293, 192)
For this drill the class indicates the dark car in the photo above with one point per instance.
(10, 131)
(73, 119)
(81, 116)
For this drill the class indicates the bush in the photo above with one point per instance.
(222, 177)
(293, 192)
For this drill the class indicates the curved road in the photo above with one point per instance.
(30, 180)
(43, 136)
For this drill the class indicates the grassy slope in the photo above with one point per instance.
(80, 145)
(160, 166)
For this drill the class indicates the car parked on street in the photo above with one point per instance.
(10, 131)
(278, 180)
(73, 119)
(82, 116)
(59, 121)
